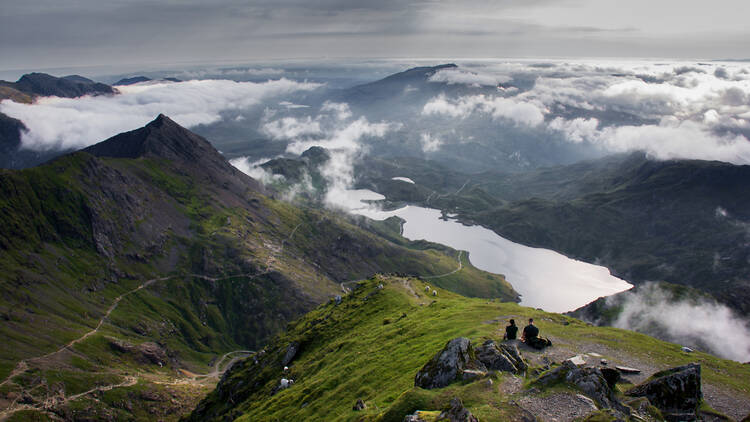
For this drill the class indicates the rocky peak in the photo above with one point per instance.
(163, 138)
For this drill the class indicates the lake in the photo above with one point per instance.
(544, 278)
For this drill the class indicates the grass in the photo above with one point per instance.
(348, 353)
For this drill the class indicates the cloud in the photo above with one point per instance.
(430, 143)
(291, 127)
(65, 123)
(341, 110)
(334, 129)
(498, 107)
(460, 76)
(254, 170)
(696, 323)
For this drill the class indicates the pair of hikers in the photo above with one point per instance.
(529, 336)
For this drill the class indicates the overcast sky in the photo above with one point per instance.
(57, 33)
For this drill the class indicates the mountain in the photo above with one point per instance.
(42, 84)
(681, 221)
(135, 271)
(26, 90)
(138, 79)
(371, 345)
(132, 80)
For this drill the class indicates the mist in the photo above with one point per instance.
(694, 322)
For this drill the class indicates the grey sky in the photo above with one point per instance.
(58, 33)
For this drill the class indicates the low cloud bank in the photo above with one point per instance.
(696, 323)
(333, 128)
(67, 123)
(460, 76)
(671, 111)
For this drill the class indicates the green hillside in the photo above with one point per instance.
(371, 346)
(130, 269)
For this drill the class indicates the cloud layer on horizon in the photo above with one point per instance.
(68, 123)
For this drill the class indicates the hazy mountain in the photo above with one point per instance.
(42, 84)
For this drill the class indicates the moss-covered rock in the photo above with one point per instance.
(448, 365)
(675, 391)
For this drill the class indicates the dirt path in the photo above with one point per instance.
(460, 267)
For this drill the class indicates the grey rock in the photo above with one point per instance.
(612, 376)
(590, 381)
(456, 412)
(291, 352)
(674, 391)
(448, 365)
(504, 357)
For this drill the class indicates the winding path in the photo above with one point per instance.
(460, 267)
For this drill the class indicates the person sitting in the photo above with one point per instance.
(511, 330)
(531, 337)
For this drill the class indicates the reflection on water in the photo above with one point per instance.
(544, 278)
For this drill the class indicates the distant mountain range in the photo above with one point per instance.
(26, 90)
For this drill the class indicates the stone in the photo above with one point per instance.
(590, 381)
(359, 405)
(291, 352)
(456, 412)
(504, 357)
(587, 400)
(448, 365)
(337, 299)
(676, 391)
(471, 374)
(628, 370)
(612, 376)
(494, 358)
(686, 349)
(577, 360)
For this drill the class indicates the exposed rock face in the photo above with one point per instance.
(291, 352)
(448, 365)
(504, 357)
(590, 381)
(456, 412)
(676, 391)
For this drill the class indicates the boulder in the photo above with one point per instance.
(291, 352)
(590, 381)
(676, 391)
(359, 405)
(612, 376)
(504, 357)
(448, 365)
(456, 412)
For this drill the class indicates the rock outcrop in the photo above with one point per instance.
(590, 381)
(456, 412)
(503, 357)
(676, 392)
(449, 364)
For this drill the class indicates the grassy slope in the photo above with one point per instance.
(57, 286)
(372, 345)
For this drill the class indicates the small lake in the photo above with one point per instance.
(545, 279)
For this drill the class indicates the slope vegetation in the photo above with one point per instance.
(372, 344)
